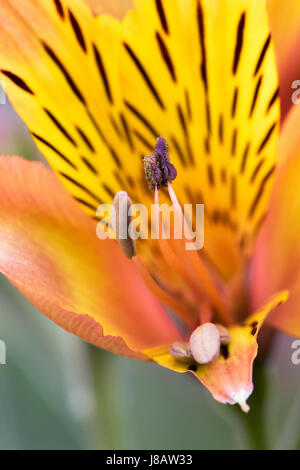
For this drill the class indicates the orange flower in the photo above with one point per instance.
(96, 92)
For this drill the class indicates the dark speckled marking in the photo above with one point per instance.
(254, 326)
(225, 351)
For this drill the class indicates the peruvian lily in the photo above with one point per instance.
(96, 92)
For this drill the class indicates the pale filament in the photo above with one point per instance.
(178, 307)
(172, 257)
(218, 300)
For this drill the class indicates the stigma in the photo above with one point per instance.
(159, 171)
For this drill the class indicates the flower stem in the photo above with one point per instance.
(254, 421)
(289, 437)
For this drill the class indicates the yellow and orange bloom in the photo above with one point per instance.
(96, 92)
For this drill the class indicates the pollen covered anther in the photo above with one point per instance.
(159, 171)
(224, 334)
(121, 205)
(205, 343)
(180, 350)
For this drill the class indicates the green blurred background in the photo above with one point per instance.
(57, 392)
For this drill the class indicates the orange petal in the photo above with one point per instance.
(276, 260)
(117, 8)
(289, 142)
(285, 26)
(50, 252)
(228, 378)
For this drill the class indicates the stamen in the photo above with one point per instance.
(158, 226)
(224, 334)
(121, 204)
(218, 300)
(180, 350)
(171, 256)
(203, 347)
(167, 299)
(159, 171)
(205, 343)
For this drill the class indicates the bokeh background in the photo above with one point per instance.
(57, 392)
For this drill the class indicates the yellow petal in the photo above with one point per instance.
(228, 378)
(56, 76)
(96, 93)
(222, 116)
